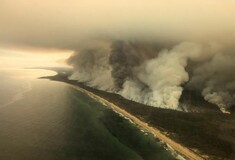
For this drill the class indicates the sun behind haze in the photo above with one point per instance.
(23, 58)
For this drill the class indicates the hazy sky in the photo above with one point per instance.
(21, 58)
(68, 25)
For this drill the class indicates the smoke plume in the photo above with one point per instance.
(122, 59)
(91, 66)
(215, 79)
(157, 77)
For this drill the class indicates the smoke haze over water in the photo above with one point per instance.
(147, 51)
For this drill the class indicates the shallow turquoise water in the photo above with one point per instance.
(46, 120)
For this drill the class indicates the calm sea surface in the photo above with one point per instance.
(47, 120)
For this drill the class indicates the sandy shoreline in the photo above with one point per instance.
(176, 146)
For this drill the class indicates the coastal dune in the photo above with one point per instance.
(157, 133)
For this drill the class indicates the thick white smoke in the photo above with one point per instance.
(159, 77)
(91, 66)
(166, 73)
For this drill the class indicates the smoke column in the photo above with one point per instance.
(215, 79)
(157, 76)
(122, 59)
(91, 66)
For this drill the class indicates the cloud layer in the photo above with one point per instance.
(70, 24)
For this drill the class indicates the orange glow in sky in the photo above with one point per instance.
(14, 58)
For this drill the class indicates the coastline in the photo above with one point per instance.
(199, 134)
(157, 133)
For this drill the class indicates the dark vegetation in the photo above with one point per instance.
(202, 131)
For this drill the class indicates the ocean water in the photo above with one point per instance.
(47, 120)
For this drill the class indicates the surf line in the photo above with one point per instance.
(157, 133)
